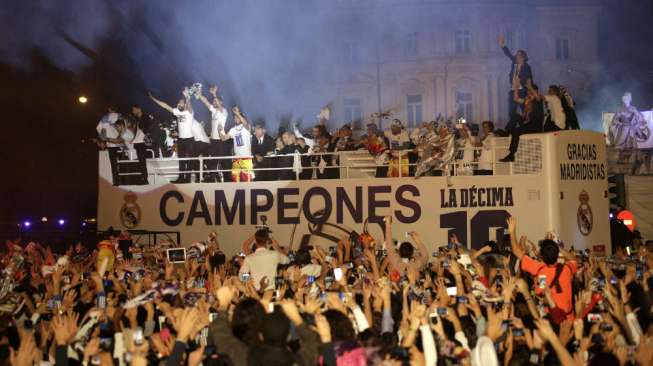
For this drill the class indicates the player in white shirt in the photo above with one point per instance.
(557, 119)
(109, 137)
(134, 139)
(185, 140)
(487, 143)
(217, 147)
(242, 167)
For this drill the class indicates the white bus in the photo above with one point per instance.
(557, 183)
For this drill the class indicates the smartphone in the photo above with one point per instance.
(213, 316)
(541, 281)
(594, 317)
(433, 318)
(106, 338)
(164, 334)
(310, 280)
(337, 274)
(613, 280)
(162, 322)
(137, 337)
(462, 300)
(349, 265)
(442, 311)
(606, 327)
(499, 280)
(505, 325)
(102, 301)
(244, 277)
(176, 255)
(518, 332)
(209, 350)
(601, 283)
(452, 291)
(27, 325)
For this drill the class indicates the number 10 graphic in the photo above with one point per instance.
(481, 224)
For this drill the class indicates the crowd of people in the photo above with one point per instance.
(397, 151)
(363, 301)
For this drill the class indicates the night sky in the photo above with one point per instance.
(48, 171)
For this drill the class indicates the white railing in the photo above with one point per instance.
(360, 161)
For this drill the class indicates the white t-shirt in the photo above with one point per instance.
(132, 138)
(263, 263)
(184, 123)
(468, 150)
(218, 120)
(557, 112)
(107, 130)
(199, 134)
(397, 141)
(485, 160)
(242, 140)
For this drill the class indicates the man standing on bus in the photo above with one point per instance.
(241, 170)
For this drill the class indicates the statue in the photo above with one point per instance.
(628, 126)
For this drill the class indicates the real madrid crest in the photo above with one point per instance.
(584, 215)
(130, 212)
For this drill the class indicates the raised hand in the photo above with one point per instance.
(545, 331)
(512, 224)
(185, 322)
(502, 40)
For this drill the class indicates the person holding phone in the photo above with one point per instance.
(404, 258)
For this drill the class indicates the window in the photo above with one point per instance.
(465, 106)
(463, 41)
(410, 44)
(351, 52)
(353, 113)
(414, 110)
(562, 49)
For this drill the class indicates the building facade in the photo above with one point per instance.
(424, 58)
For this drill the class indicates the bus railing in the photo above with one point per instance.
(164, 168)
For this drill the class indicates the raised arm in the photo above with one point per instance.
(239, 115)
(205, 102)
(423, 256)
(161, 103)
(512, 229)
(393, 256)
(505, 49)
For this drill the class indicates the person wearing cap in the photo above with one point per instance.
(262, 146)
(399, 142)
